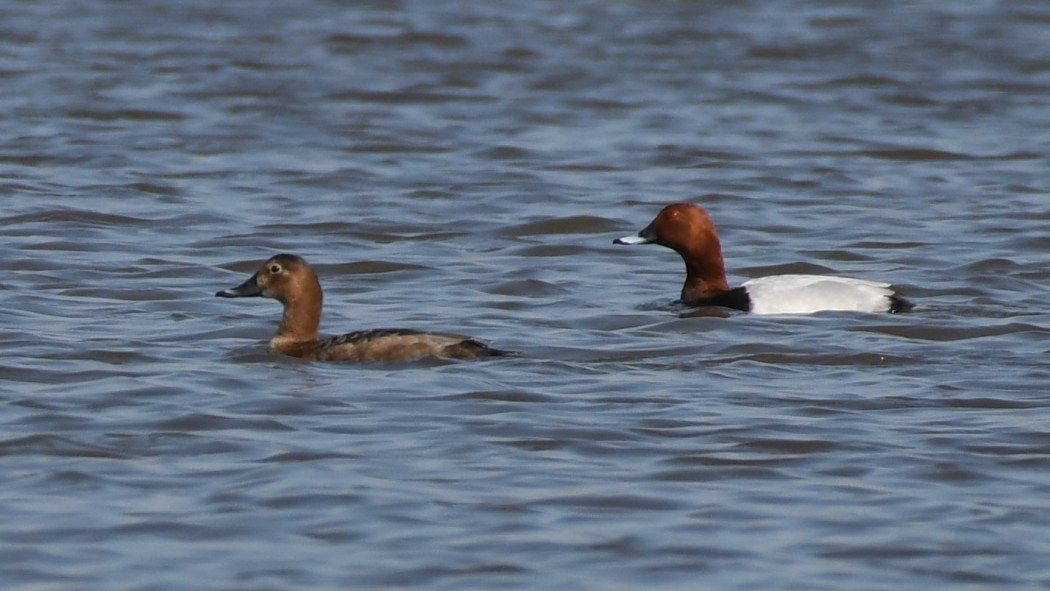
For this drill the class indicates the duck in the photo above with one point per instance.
(687, 229)
(290, 280)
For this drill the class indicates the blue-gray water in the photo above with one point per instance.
(465, 166)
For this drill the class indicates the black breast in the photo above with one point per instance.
(736, 298)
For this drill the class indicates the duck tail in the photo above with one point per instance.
(473, 348)
(899, 304)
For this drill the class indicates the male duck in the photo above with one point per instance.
(688, 230)
(290, 280)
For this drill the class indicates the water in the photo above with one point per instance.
(465, 166)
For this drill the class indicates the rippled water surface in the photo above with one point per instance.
(464, 166)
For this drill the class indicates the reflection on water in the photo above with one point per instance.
(450, 166)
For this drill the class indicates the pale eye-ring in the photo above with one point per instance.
(275, 268)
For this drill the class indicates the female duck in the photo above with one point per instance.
(689, 231)
(292, 281)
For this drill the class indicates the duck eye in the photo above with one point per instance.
(275, 268)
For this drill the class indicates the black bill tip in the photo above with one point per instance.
(249, 288)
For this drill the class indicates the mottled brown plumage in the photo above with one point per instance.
(290, 280)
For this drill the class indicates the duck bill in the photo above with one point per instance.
(249, 288)
(645, 236)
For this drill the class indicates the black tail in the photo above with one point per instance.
(899, 304)
(472, 348)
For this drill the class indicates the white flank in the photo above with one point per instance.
(805, 294)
